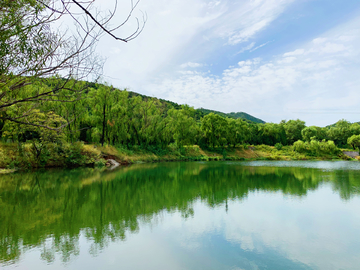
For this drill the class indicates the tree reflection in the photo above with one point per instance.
(51, 209)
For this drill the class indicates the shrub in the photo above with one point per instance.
(264, 147)
(278, 146)
(329, 147)
(354, 141)
(91, 151)
(73, 154)
(316, 148)
(100, 163)
(300, 147)
(5, 159)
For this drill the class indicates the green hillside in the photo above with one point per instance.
(245, 116)
(199, 113)
(234, 115)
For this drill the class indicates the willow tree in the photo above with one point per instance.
(340, 132)
(107, 111)
(33, 49)
(354, 141)
(237, 131)
(214, 130)
(182, 126)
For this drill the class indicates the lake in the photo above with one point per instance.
(194, 215)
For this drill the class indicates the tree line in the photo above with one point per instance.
(106, 115)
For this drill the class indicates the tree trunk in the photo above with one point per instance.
(104, 126)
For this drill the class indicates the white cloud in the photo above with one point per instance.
(246, 48)
(179, 32)
(245, 34)
(294, 53)
(170, 26)
(247, 18)
(191, 65)
(333, 48)
(177, 39)
(322, 76)
(261, 222)
(346, 38)
(319, 40)
(286, 60)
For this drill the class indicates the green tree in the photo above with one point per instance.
(214, 128)
(271, 133)
(31, 49)
(355, 129)
(151, 124)
(313, 132)
(101, 103)
(253, 134)
(293, 130)
(354, 141)
(237, 131)
(340, 132)
(41, 138)
(182, 126)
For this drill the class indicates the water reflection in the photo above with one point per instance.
(54, 210)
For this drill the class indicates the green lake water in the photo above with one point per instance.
(195, 215)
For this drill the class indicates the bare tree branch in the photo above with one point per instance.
(33, 53)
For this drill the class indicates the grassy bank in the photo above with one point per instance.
(14, 155)
(196, 153)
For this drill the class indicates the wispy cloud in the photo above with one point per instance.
(191, 65)
(295, 53)
(248, 18)
(246, 48)
(260, 46)
(251, 47)
(173, 31)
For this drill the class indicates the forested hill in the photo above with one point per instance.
(199, 113)
(234, 115)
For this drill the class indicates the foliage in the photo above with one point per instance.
(313, 132)
(340, 133)
(271, 133)
(29, 50)
(354, 141)
(214, 128)
(278, 146)
(316, 148)
(134, 123)
(19, 47)
(44, 128)
(34, 48)
(293, 129)
(182, 126)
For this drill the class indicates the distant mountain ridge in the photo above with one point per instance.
(201, 112)
(234, 115)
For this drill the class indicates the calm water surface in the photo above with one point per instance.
(221, 215)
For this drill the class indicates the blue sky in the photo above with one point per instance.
(274, 59)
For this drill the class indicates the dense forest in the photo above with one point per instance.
(104, 115)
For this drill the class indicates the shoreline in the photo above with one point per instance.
(100, 156)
